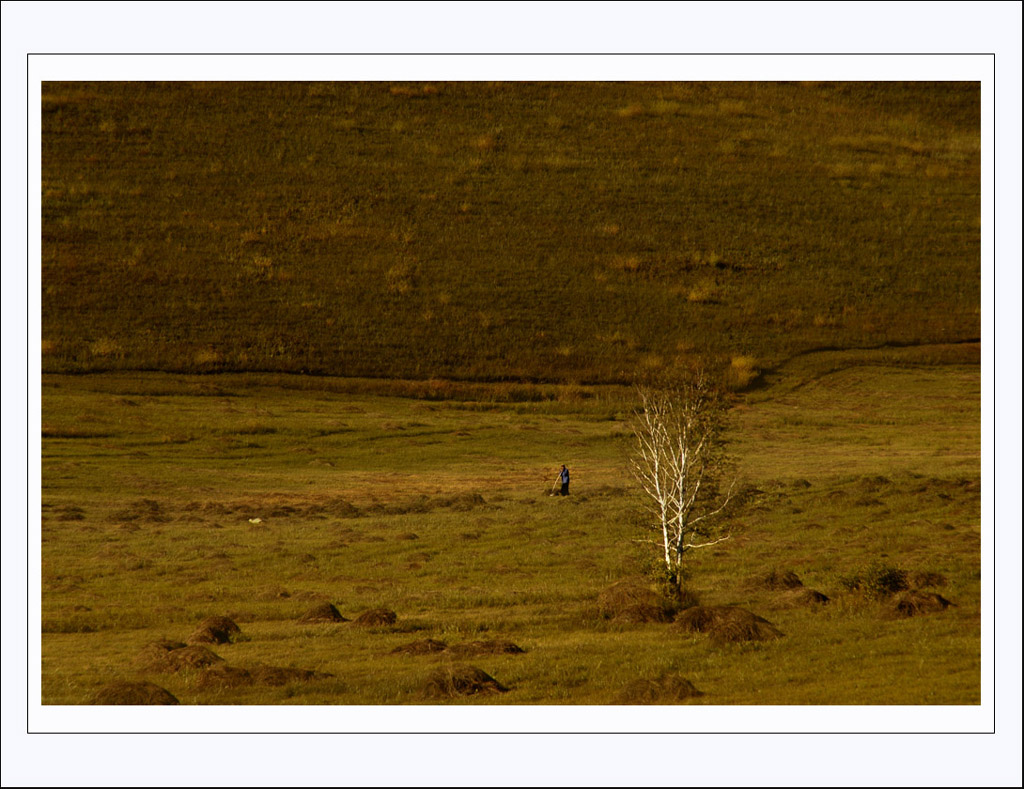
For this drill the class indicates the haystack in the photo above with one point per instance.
(425, 646)
(914, 602)
(322, 612)
(804, 596)
(222, 676)
(174, 660)
(215, 630)
(133, 693)
(278, 675)
(376, 617)
(491, 647)
(779, 579)
(155, 653)
(669, 689)
(725, 624)
(453, 681)
(922, 579)
(632, 600)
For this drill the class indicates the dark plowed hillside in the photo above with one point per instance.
(548, 231)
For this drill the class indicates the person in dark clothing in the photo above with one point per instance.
(563, 477)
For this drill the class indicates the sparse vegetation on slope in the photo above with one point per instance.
(512, 231)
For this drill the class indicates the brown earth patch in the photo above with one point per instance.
(324, 612)
(669, 689)
(452, 681)
(727, 624)
(133, 693)
(376, 617)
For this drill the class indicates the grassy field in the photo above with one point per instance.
(431, 500)
(548, 232)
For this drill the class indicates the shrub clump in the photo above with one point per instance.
(727, 624)
(133, 693)
(452, 681)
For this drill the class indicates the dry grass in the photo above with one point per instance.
(669, 228)
(812, 445)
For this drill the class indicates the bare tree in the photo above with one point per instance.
(678, 460)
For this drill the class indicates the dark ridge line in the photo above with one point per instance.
(890, 344)
(482, 380)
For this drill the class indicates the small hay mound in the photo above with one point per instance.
(727, 624)
(665, 690)
(133, 693)
(155, 652)
(323, 612)
(642, 612)
(632, 600)
(914, 602)
(464, 502)
(271, 593)
(492, 647)
(805, 596)
(923, 579)
(424, 646)
(215, 630)
(222, 677)
(780, 579)
(278, 675)
(376, 617)
(187, 658)
(461, 681)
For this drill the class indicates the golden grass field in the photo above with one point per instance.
(311, 344)
(438, 510)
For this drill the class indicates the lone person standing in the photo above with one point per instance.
(563, 477)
